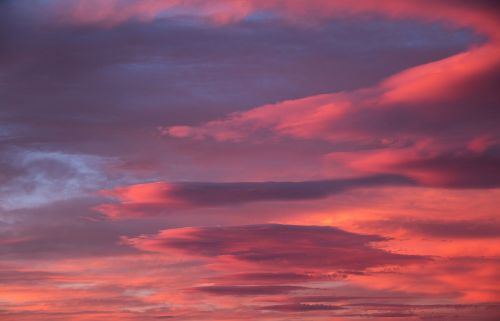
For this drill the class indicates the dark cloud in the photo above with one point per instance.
(13, 276)
(391, 315)
(244, 290)
(336, 298)
(151, 199)
(488, 5)
(277, 246)
(300, 307)
(474, 171)
(271, 278)
(232, 193)
(453, 229)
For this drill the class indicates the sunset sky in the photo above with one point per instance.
(237, 160)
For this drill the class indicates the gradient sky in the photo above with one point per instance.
(233, 160)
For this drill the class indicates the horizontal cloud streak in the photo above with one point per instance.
(244, 290)
(151, 199)
(450, 229)
(276, 246)
(432, 164)
(301, 307)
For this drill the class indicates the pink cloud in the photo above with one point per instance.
(158, 198)
(411, 104)
(273, 247)
(451, 101)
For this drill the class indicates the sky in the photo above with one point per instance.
(234, 160)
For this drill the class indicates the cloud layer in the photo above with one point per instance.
(249, 160)
(153, 199)
(277, 246)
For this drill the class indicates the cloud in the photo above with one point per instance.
(245, 290)
(354, 99)
(274, 247)
(301, 307)
(450, 229)
(273, 278)
(442, 103)
(112, 111)
(111, 12)
(459, 104)
(61, 230)
(150, 199)
(36, 178)
(432, 164)
(15, 276)
(451, 102)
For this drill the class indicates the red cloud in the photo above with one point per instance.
(434, 99)
(276, 247)
(153, 199)
(481, 14)
(430, 164)
(247, 290)
(301, 307)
